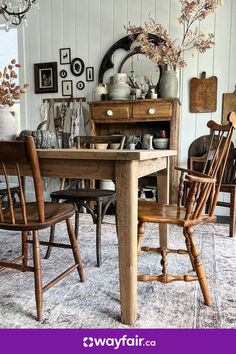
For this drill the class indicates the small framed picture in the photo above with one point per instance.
(80, 85)
(65, 56)
(89, 73)
(45, 77)
(77, 66)
(67, 88)
(63, 74)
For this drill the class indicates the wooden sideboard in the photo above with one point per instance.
(135, 117)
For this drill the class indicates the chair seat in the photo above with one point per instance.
(54, 213)
(166, 213)
(76, 195)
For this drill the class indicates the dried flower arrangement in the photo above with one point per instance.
(9, 91)
(167, 52)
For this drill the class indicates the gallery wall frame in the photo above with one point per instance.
(77, 66)
(67, 88)
(45, 77)
(90, 73)
(65, 56)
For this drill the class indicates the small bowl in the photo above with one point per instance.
(101, 146)
(161, 143)
(114, 146)
(120, 77)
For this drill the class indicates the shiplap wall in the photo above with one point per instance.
(90, 27)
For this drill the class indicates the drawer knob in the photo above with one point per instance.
(151, 111)
(109, 113)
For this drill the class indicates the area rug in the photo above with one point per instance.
(96, 303)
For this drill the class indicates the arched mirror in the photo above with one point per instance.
(136, 64)
(134, 60)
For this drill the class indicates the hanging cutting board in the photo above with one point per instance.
(228, 105)
(203, 94)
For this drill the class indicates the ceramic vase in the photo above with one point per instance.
(169, 84)
(99, 91)
(131, 146)
(8, 124)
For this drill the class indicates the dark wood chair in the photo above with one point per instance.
(196, 161)
(83, 197)
(202, 188)
(25, 217)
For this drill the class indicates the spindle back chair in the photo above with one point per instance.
(33, 216)
(202, 188)
(82, 197)
(197, 154)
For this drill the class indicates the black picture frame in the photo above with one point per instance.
(80, 85)
(67, 88)
(65, 56)
(90, 73)
(63, 74)
(45, 77)
(77, 66)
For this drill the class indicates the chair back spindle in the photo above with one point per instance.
(202, 188)
(12, 154)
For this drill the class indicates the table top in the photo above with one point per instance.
(90, 154)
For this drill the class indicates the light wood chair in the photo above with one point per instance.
(83, 197)
(228, 185)
(202, 188)
(25, 217)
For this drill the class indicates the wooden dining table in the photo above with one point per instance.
(124, 167)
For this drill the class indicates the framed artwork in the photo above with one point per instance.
(77, 66)
(80, 85)
(90, 73)
(67, 88)
(65, 56)
(45, 77)
(63, 74)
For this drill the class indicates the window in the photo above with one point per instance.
(9, 51)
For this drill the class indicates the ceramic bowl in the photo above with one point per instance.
(114, 146)
(120, 77)
(161, 143)
(101, 146)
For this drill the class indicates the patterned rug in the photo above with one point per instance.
(96, 304)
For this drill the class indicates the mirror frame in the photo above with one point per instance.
(123, 43)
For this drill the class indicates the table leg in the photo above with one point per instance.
(163, 198)
(127, 203)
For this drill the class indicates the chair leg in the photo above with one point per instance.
(189, 248)
(25, 247)
(77, 223)
(98, 234)
(52, 236)
(37, 276)
(141, 230)
(116, 221)
(199, 268)
(232, 212)
(75, 249)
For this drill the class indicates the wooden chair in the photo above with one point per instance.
(83, 197)
(202, 188)
(228, 184)
(33, 216)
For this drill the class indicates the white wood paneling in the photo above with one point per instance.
(148, 8)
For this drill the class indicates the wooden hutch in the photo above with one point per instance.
(135, 117)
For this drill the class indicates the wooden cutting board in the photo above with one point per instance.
(203, 94)
(228, 105)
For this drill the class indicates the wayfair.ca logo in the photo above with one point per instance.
(89, 342)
